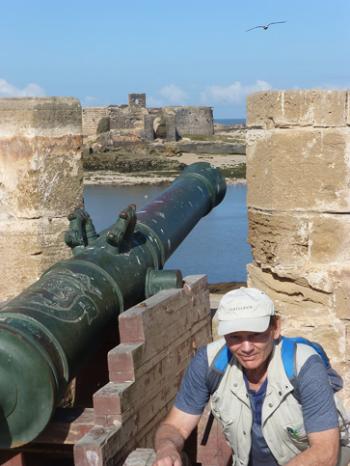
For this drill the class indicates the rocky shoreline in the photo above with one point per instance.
(121, 159)
(114, 178)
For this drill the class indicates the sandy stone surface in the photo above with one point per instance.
(298, 200)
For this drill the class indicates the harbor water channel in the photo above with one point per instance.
(217, 246)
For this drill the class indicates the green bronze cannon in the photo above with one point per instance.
(47, 330)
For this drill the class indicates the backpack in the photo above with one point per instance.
(288, 351)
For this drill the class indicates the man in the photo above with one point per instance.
(266, 420)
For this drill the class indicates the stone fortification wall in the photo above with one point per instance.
(40, 184)
(95, 120)
(172, 121)
(193, 120)
(125, 117)
(298, 174)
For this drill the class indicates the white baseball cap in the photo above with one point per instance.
(244, 310)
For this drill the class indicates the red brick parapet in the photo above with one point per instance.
(158, 337)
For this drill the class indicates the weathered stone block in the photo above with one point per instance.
(330, 239)
(299, 170)
(278, 238)
(304, 310)
(40, 157)
(294, 298)
(124, 117)
(347, 345)
(193, 120)
(148, 127)
(40, 177)
(341, 280)
(318, 108)
(298, 240)
(40, 116)
(344, 394)
(170, 124)
(27, 249)
(261, 107)
(93, 118)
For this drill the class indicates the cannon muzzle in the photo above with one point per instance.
(47, 331)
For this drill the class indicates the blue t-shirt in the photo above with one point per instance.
(314, 394)
(260, 454)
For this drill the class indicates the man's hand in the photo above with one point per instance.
(168, 456)
(171, 435)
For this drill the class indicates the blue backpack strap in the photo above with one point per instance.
(217, 368)
(289, 342)
(288, 352)
(222, 359)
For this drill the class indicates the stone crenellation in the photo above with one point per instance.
(135, 117)
(298, 172)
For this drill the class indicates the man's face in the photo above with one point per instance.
(253, 349)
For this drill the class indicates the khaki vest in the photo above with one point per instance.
(231, 406)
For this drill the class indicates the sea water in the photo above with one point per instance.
(217, 246)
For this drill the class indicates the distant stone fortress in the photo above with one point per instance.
(169, 123)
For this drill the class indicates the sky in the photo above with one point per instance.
(186, 52)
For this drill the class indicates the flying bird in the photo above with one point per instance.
(266, 26)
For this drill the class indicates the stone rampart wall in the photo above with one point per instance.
(124, 117)
(298, 177)
(40, 184)
(194, 121)
(188, 120)
(94, 119)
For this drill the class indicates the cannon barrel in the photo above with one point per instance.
(47, 330)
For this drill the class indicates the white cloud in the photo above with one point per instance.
(173, 94)
(154, 102)
(234, 93)
(168, 95)
(30, 90)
